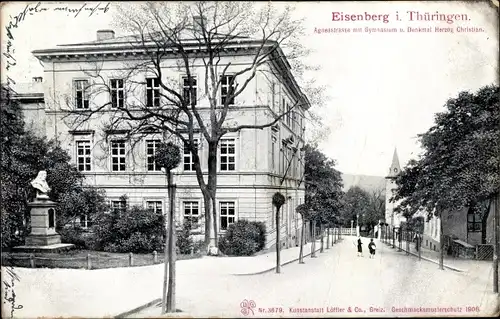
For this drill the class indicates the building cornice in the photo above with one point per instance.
(91, 51)
(28, 97)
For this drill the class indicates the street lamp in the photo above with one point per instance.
(357, 225)
(352, 226)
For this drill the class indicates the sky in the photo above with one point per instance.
(382, 88)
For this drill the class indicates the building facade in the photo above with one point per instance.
(253, 164)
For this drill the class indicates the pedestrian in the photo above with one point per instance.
(371, 247)
(360, 247)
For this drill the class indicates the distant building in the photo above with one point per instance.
(392, 218)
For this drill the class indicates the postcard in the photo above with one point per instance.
(250, 159)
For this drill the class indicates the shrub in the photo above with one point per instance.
(75, 236)
(133, 229)
(199, 246)
(184, 240)
(243, 238)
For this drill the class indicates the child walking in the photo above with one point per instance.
(371, 247)
(360, 247)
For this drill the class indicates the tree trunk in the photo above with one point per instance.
(496, 245)
(212, 189)
(166, 261)
(215, 223)
(441, 239)
(301, 252)
(484, 221)
(321, 233)
(165, 272)
(172, 248)
(278, 245)
(208, 220)
(328, 238)
(313, 241)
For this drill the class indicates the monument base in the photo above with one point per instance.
(43, 240)
(54, 248)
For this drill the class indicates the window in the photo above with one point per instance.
(282, 159)
(273, 96)
(282, 107)
(188, 157)
(151, 148)
(153, 92)
(191, 211)
(118, 205)
(85, 221)
(227, 214)
(473, 222)
(287, 114)
(156, 206)
(118, 156)
(83, 157)
(117, 93)
(273, 152)
(81, 94)
(186, 92)
(227, 89)
(227, 155)
(288, 161)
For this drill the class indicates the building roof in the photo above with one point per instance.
(185, 35)
(27, 91)
(132, 45)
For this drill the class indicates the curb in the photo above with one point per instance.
(273, 268)
(149, 304)
(428, 259)
(137, 309)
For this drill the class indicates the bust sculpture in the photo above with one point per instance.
(41, 186)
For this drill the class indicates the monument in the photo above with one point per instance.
(43, 235)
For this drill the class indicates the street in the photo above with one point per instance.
(338, 283)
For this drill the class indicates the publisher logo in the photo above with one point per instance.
(247, 307)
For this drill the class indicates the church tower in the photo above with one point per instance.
(390, 186)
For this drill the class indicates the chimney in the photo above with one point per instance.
(105, 35)
(37, 79)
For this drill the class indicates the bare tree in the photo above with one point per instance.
(220, 49)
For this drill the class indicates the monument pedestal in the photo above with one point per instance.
(43, 236)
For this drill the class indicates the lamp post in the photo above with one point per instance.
(352, 226)
(357, 225)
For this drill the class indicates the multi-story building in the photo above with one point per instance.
(253, 164)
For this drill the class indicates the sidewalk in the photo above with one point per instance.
(478, 269)
(47, 292)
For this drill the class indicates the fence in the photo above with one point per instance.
(348, 231)
(484, 252)
(87, 262)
